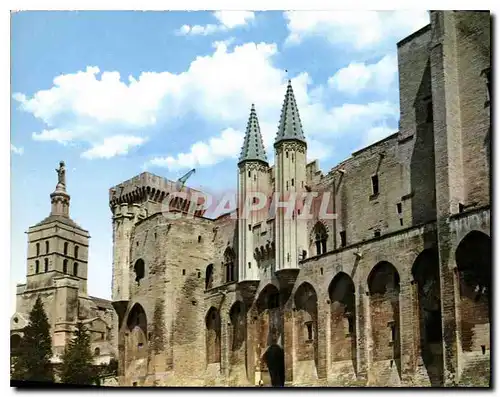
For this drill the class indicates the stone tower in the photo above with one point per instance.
(57, 245)
(253, 185)
(290, 164)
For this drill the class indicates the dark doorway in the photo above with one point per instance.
(274, 358)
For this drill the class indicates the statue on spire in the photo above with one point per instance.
(61, 174)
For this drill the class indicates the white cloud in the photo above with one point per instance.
(61, 136)
(358, 29)
(375, 134)
(360, 76)
(16, 150)
(90, 107)
(227, 145)
(113, 146)
(227, 20)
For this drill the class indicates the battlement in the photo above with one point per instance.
(146, 186)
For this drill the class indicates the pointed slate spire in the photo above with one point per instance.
(253, 146)
(290, 127)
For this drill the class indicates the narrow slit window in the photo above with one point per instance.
(375, 186)
(46, 265)
(400, 208)
(343, 238)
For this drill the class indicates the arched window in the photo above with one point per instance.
(209, 276)
(76, 251)
(37, 249)
(46, 260)
(139, 269)
(320, 238)
(229, 264)
(37, 266)
(46, 247)
(66, 248)
(65, 266)
(97, 352)
(75, 269)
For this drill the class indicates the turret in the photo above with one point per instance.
(252, 178)
(290, 164)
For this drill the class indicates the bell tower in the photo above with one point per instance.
(57, 246)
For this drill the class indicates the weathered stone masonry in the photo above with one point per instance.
(394, 292)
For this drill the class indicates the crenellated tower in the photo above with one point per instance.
(252, 178)
(290, 165)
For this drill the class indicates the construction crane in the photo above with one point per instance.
(182, 180)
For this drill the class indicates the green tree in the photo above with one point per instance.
(77, 362)
(32, 362)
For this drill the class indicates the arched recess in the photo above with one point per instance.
(213, 336)
(473, 259)
(306, 323)
(237, 318)
(342, 318)
(383, 286)
(269, 326)
(136, 334)
(427, 291)
(139, 270)
(319, 238)
(15, 344)
(209, 276)
(229, 267)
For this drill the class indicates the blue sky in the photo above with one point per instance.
(119, 92)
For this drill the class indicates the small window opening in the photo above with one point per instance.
(137, 243)
(65, 266)
(309, 327)
(97, 351)
(75, 269)
(393, 332)
(254, 200)
(401, 221)
(375, 187)
(65, 248)
(286, 154)
(76, 252)
(37, 266)
(376, 233)
(249, 174)
(461, 207)
(399, 207)
(199, 274)
(183, 272)
(293, 181)
(249, 265)
(199, 239)
(292, 157)
(47, 247)
(140, 271)
(483, 349)
(37, 249)
(249, 228)
(46, 265)
(254, 177)
(321, 270)
(140, 345)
